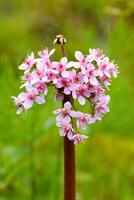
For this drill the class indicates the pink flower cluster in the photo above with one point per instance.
(86, 79)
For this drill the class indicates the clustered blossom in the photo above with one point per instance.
(86, 79)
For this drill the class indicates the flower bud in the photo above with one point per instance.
(60, 40)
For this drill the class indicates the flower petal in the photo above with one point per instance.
(67, 119)
(28, 104)
(59, 117)
(70, 64)
(51, 52)
(39, 99)
(93, 81)
(65, 74)
(67, 105)
(23, 66)
(78, 55)
(64, 61)
(81, 100)
(22, 96)
(67, 91)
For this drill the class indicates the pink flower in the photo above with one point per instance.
(82, 60)
(87, 78)
(65, 129)
(19, 104)
(45, 53)
(29, 78)
(50, 76)
(61, 67)
(41, 87)
(64, 83)
(78, 139)
(103, 67)
(90, 74)
(28, 97)
(80, 92)
(45, 74)
(95, 55)
(28, 62)
(106, 81)
(45, 58)
(40, 72)
(64, 113)
(82, 119)
(102, 106)
(113, 68)
(76, 77)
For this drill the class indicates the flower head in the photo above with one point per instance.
(84, 80)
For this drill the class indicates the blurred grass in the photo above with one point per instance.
(31, 157)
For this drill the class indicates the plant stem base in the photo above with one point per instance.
(69, 170)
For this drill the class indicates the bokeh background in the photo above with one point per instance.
(31, 151)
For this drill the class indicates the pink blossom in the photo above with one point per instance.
(106, 81)
(40, 69)
(41, 87)
(64, 113)
(102, 106)
(65, 129)
(45, 53)
(31, 95)
(45, 58)
(64, 83)
(95, 55)
(80, 92)
(90, 74)
(76, 77)
(78, 139)
(19, 104)
(45, 74)
(82, 119)
(94, 89)
(103, 67)
(29, 78)
(28, 62)
(87, 78)
(50, 76)
(61, 67)
(82, 60)
(113, 68)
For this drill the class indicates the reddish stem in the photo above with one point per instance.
(69, 150)
(69, 164)
(69, 170)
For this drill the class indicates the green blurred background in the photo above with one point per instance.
(31, 151)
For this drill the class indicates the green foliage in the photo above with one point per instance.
(31, 152)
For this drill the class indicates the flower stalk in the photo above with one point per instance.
(69, 164)
(69, 147)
